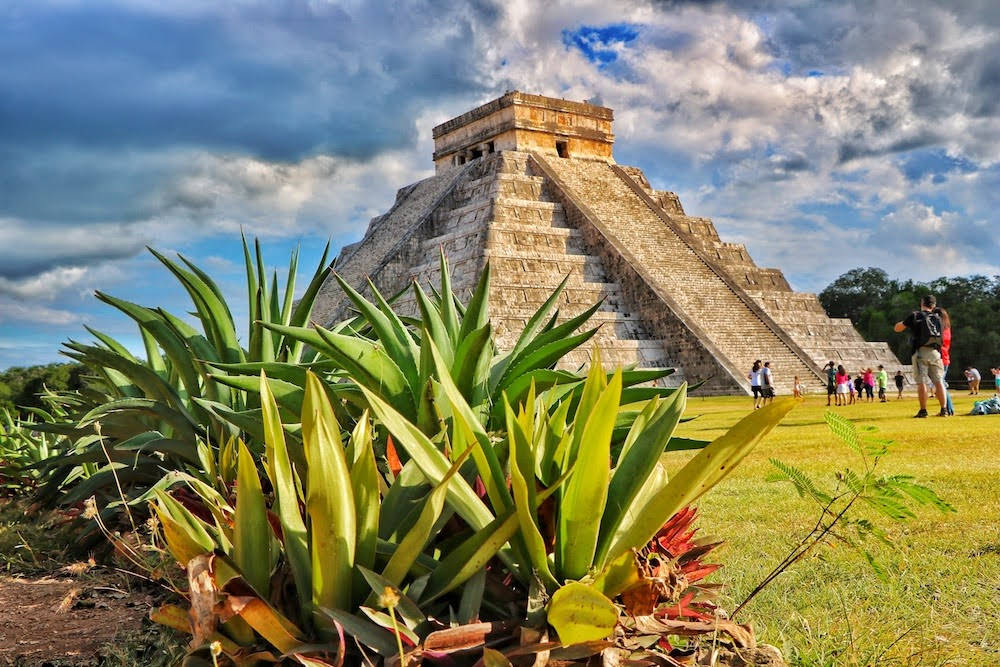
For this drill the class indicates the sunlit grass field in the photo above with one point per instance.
(941, 605)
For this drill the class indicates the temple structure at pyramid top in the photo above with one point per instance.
(529, 184)
(522, 122)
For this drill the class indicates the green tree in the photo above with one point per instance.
(21, 386)
(874, 301)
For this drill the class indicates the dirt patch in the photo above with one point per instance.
(63, 621)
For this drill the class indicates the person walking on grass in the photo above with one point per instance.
(859, 385)
(754, 377)
(843, 382)
(925, 328)
(766, 384)
(900, 381)
(973, 377)
(996, 379)
(797, 390)
(881, 379)
(831, 382)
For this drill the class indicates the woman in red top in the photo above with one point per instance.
(946, 356)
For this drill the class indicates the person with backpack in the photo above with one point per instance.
(925, 330)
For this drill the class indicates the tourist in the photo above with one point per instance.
(946, 357)
(869, 382)
(900, 381)
(754, 377)
(882, 379)
(766, 383)
(924, 326)
(831, 384)
(973, 377)
(843, 382)
(797, 389)
(996, 379)
(859, 385)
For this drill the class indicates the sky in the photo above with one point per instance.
(824, 135)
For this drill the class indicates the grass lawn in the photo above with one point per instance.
(941, 605)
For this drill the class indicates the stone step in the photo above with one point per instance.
(502, 184)
(525, 211)
(647, 353)
(823, 331)
(703, 296)
(613, 328)
(529, 240)
(528, 297)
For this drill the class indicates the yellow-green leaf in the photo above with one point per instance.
(581, 613)
(251, 530)
(286, 506)
(586, 492)
(329, 500)
(618, 575)
(522, 478)
(416, 538)
(706, 469)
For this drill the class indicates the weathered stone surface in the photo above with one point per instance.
(673, 293)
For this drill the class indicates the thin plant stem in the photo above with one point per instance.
(114, 473)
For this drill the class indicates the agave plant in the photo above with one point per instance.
(140, 416)
(26, 450)
(389, 355)
(340, 545)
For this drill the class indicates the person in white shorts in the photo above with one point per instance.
(926, 334)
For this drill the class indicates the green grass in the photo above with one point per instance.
(941, 604)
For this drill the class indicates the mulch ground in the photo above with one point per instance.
(62, 621)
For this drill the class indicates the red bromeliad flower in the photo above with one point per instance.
(672, 565)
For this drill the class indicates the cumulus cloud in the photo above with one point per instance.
(824, 135)
(12, 310)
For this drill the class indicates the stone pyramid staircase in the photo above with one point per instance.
(502, 215)
(672, 293)
(729, 324)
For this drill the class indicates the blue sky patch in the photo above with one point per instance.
(601, 44)
(933, 162)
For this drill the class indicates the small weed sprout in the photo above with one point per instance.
(890, 496)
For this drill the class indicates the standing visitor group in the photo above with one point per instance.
(930, 339)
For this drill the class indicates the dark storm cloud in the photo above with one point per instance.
(279, 82)
(102, 106)
(24, 263)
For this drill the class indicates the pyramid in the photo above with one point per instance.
(529, 184)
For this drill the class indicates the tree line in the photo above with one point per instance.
(874, 302)
(20, 386)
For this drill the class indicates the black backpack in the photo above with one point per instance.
(928, 329)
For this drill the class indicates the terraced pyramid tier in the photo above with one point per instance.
(528, 184)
